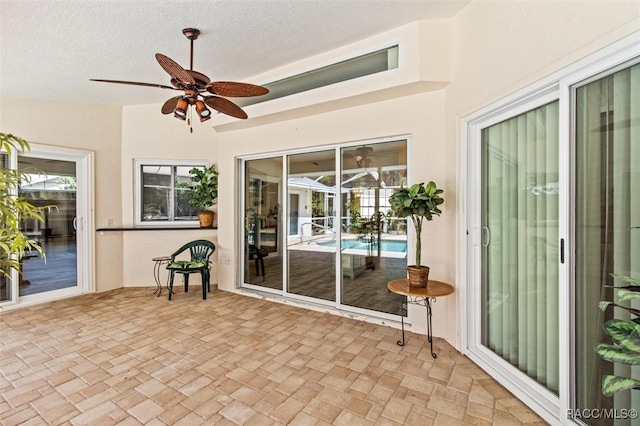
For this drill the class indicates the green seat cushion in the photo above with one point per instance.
(187, 264)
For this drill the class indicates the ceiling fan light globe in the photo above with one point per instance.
(202, 110)
(181, 109)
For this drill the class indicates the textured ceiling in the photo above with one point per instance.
(49, 49)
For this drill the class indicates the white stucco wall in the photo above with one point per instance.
(147, 134)
(86, 127)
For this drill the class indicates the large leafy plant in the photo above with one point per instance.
(204, 190)
(625, 336)
(13, 210)
(419, 202)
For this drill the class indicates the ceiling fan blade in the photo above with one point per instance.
(225, 106)
(170, 105)
(174, 69)
(135, 83)
(236, 90)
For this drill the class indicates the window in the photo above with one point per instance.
(360, 66)
(161, 197)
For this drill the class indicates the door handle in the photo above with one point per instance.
(486, 236)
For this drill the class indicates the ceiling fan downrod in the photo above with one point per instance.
(192, 34)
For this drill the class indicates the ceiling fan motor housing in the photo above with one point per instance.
(191, 33)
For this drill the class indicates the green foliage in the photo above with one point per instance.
(613, 353)
(613, 384)
(13, 210)
(205, 189)
(419, 202)
(369, 230)
(625, 336)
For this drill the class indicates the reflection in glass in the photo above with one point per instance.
(520, 242)
(262, 220)
(163, 197)
(5, 283)
(311, 189)
(54, 184)
(374, 242)
(607, 234)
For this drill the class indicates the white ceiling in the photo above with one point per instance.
(49, 49)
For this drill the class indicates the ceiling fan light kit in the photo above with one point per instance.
(180, 111)
(202, 110)
(195, 85)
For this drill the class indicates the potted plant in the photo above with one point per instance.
(13, 210)
(625, 337)
(204, 192)
(419, 202)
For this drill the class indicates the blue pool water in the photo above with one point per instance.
(397, 246)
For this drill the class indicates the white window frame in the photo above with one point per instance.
(559, 85)
(137, 199)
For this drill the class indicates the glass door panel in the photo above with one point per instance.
(52, 183)
(262, 219)
(6, 289)
(311, 247)
(520, 243)
(373, 245)
(607, 234)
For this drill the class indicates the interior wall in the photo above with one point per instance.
(500, 48)
(148, 134)
(87, 127)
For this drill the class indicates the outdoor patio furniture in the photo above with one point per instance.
(258, 255)
(200, 251)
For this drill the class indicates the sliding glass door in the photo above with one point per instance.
(374, 242)
(520, 243)
(52, 184)
(61, 181)
(333, 205)
(607, 228)
(311, 251)
(7, 290)
(262, 216)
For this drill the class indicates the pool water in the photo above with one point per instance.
(396, 246)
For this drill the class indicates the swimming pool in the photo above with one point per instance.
(396, 246)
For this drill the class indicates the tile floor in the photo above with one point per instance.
(127, 357)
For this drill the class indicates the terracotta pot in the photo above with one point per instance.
(418, 276)
(205, 217)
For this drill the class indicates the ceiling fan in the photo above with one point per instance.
(362, 156)
(197, 87)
